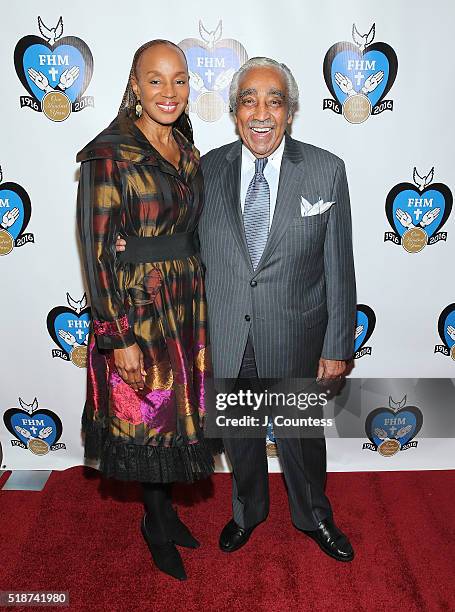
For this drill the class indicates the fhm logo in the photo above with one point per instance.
(417, 212)
(270, 441)
(33, 428)
(446, 329)
(55, 74)
(392, 429)
(69, 327)
(365, 324)
(359, 75)
(15, 213)
(212, 62)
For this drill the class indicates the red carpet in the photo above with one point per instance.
(81, 534)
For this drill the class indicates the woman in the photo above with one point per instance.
(140, 178)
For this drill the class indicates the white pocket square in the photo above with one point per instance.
(307, 209)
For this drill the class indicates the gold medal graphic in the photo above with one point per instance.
(56, 106)
(387, 448)
(356, 108)
(209, 106)
(6, 242)
(38, 447)
(414, 240)
(79, 356)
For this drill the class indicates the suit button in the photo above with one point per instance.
(247, 318)
(253, 283)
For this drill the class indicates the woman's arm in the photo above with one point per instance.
(99, 219)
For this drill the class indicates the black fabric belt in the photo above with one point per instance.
(159, 248)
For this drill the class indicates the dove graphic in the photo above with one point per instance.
(362, 40)
(397, 405)
(30, 408)
(51, 34)
(210, 38)
(78, 306)
(422, 181)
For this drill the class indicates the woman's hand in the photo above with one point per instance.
(129, 362)
(120, 245)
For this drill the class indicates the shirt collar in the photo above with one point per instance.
(248, 159)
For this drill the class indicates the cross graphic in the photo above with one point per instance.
(79, 334)
(53, 72)
(209, 75)
(359, 77)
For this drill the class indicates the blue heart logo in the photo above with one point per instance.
(65, 66)
(67, 328)
(401, 425)
(212, 66)
(348, 62)
(42, 424)
(53, 64)
(359, 68)
(365, 324)
(14, 198)
(446, 326)
(428, 209)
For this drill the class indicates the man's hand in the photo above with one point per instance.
(120, 244)
(331, 368)
(129, 362)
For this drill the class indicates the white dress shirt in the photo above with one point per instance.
(271, 173)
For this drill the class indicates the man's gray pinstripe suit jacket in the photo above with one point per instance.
(303, 305)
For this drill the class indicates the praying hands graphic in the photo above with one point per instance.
(406, 220)
(67, 78)
(346, 86)
(70, 339)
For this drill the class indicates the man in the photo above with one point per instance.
(280, 287)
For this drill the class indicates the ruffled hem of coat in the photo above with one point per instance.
(178, 462)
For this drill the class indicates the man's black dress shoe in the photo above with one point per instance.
(234, 537)
(332, 541)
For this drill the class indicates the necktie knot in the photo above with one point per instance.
(260, 164)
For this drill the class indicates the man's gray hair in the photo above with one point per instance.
(260, 62)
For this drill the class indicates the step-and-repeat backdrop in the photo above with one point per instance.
(376, 89)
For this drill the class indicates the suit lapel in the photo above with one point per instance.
(289, 190)
(230, 193)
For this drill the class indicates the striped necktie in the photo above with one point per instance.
(256, 212)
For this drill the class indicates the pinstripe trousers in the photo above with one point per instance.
(303, 462)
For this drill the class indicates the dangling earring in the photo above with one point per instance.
(138, 108)
(187, 109)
